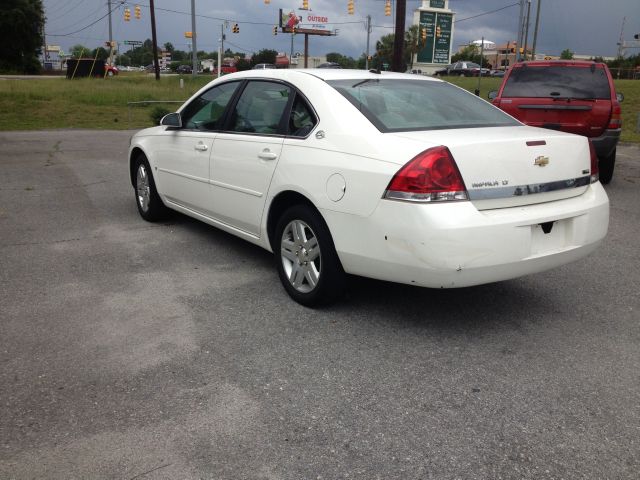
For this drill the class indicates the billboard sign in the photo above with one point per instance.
(437, 47)
(306, 21)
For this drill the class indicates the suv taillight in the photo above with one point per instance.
(595, 173)
(432, 176)
(616, 118)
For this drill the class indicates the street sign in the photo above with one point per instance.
(132, 42)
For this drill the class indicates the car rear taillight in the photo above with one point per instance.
(616, 118)
(432, 176)
(595, 173)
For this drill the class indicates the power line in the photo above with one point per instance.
(81, 20)
(487, 13)
(84, 28)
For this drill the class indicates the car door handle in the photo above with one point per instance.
(267, 155)
(202, 147)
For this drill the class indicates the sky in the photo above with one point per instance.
(586, 27)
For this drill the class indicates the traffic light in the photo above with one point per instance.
(423, 34)
(275, 29)
(136, 12)
(305, 4)
(387, 8)
(127, 14)
(350, 7)
(236, 28)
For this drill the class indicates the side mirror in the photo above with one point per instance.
(171, 120)
(620, 97)
(492, 94)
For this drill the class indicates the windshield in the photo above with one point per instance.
(558, 81)
(394, 105)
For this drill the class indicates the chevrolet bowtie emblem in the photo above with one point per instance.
(541, 161)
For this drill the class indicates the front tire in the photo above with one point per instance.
(149, 203)
(606, 166)
(306, 259)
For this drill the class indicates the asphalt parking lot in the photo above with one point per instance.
(131, 350)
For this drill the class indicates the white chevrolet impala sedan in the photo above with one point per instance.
(390, 176)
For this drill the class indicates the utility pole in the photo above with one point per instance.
(221, 51)
(398, 40)
(194, 60)
(110, 34)
(526, 30)
(520, 22)
(154, 38)
(368, 35)
(535, 31)
(621, 42)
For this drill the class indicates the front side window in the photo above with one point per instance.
(394, 105)
(558, 81)
(205, 112)
(260, 108)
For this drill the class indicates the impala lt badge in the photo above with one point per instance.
(541, 161)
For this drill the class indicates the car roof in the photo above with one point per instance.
(562, 63)
(326, 74)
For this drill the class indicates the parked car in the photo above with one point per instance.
(497, 73)
(392, 176)
(110, 70)
(329, 65)
(184, 69)
(463, 69)
(443, 71)
(226, 68)
(262, 66)
(572, 96)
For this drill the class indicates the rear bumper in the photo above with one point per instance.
(605, 143)
(455, 245)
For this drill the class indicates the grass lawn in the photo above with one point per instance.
(102, 103)
(89, 103)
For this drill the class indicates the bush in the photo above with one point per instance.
(157, 113)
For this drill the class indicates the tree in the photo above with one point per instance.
(264, 56)
(566, 54)
(21, 23)
(100, 53)
(79, 51)
(384, 50)
(169, 47)
(412, 42)
(342, 60)
(243, 64)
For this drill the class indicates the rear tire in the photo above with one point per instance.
(306, 259)
(606, 166)
(149, 203)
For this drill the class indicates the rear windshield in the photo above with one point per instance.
(558, 82)
(394, 105)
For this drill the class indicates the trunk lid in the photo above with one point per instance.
(510, 166)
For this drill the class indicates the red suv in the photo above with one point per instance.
(572, 96)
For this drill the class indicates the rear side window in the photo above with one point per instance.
(260, 108)
(394, 105)
(558, 82)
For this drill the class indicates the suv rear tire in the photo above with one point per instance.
(605, 166)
